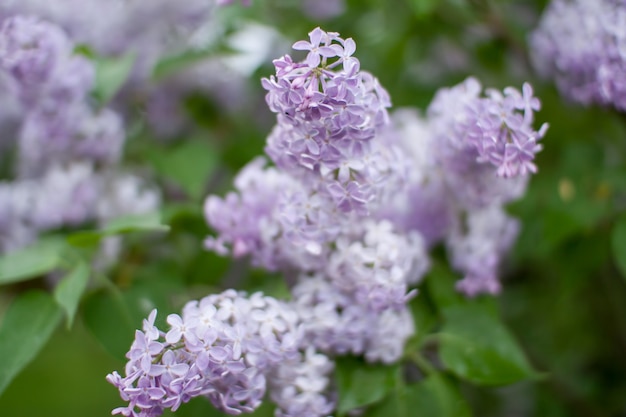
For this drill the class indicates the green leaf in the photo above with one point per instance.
(148, 222)
(113, 316)
(435, 396)
(440, 288)
(111, 322)
(68, 292)
(173, 64)
(440, 282)
(26, 327)
(361, 384)
(618, 244)
(476, 346)
(111, 74)
(423, 8)
(31, 262)
(189, 165)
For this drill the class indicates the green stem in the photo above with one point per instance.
(422, 363)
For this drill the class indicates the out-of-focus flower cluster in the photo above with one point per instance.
(581, 45)
(156, 31)
(65, 169)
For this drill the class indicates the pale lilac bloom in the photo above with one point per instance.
(67, 151)
(581, 45)
(476, 245)
(227, 363)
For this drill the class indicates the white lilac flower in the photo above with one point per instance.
(333, 321)
(225, 347)
(581, 45)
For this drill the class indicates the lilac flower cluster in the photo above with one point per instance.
(147, 31)
(348, 212)
(328, 114)
(67, 151)
(485, 150)
(225, 347)
(581, 44)
(314, 211)
(471, 155)
(343, 169)
(119, 27)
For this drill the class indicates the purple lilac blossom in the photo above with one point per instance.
(66, 170)
(150, 31)
(69, 133)
(452, 206)
(299, 386)
(424, 203)
(10, 114)
(475, 134)
(581, 45)
(31, 50)
(336, 323)
(315, 212)
(273, 220)
(119, 26)
(328, 114)
(224, 348)
(476, 245)
(66, 195)
(347, 180)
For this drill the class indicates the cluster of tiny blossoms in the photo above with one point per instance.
(147, 32)
(314, 212)
(354, 201)
(581, 44)
(329, 113)
(224, 348)
(67, 151)
(148, 29)
(471, 154)
(340, 161)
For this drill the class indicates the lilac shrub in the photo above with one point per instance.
(342, 166)
(314, 212)
(581, 44)
(348, 210)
